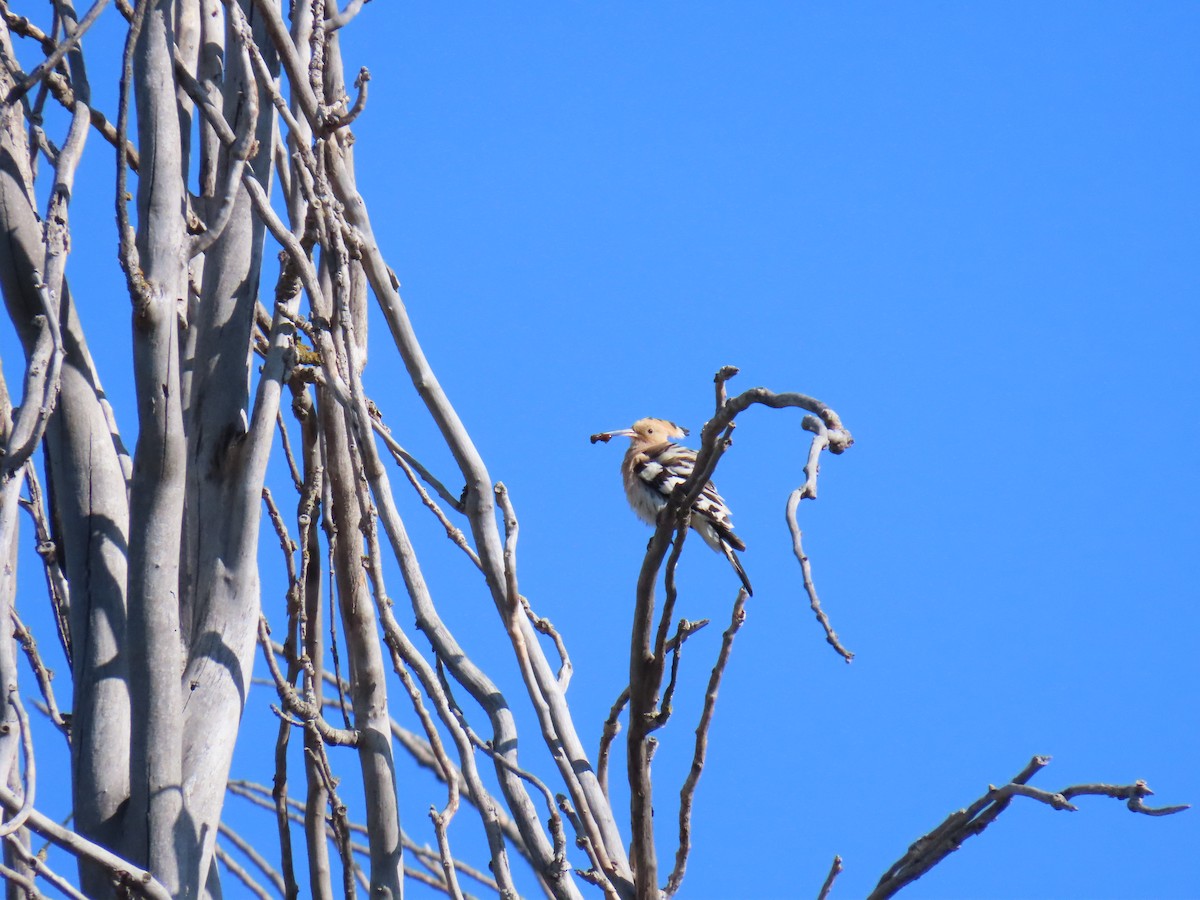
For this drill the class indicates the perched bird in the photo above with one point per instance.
(654, 466)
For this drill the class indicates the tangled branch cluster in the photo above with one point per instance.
(152, 558)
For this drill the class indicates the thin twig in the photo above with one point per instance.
(239, 872)
(411, 469)
(286, 443)
(334, 122)
(930, 849)
(674, 647)
(254, 856)
(21, 816)
(345, 17)
(307, 713)
(127, 251)
(806, 571)
(47, 551)
(403, 456)
(544, 626)
(612, 725)
(56, 56)
(688, 792)
(338, 819)
(834, 871)
(124, 873)
(43, 675)
(37, 863)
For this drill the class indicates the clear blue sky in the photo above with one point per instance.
(973, 229)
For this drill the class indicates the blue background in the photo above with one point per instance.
(970, 228)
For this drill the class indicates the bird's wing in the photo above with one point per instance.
(712, 506)
(665, 466)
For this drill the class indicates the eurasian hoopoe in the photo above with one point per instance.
(652, 468)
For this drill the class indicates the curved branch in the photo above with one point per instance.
(688, 792)
(806, 571)
(126, 874)
(344, 17)
(240, 150)
(42, 372)
(56, 56)
(18, 819)
(612, 725)
(930, 849)
(38, 866)
(127, 251)
(334, 122)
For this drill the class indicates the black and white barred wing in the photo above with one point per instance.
(669, 465)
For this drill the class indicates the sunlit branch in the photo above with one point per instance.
(29, 789)
(58, 53)
(252, 854)
(930, 849)
(43, 675)
(48, 552)
(136, 879)
(241, 874)
(835, 869)
(37, 863)
(612, 725)
(688, 792)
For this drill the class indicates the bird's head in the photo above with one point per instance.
(645, 432)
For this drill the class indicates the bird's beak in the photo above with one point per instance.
(606, 436)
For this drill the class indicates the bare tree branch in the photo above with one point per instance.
(834, 871)
(345, 17)
(41, 673)
(28, 791)
(239, 872)
(612, 725)
(646, 661)
(37, 864)
(13, 877)
(687, 793)
(47, 550)
(806, 571)
(41, 384)
(254, 856)
(930, 849)
(129, 876)
(58, 53)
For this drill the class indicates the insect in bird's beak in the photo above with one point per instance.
(605, 436)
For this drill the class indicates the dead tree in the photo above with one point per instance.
(153, 559)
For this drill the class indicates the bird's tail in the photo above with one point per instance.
(737, 567)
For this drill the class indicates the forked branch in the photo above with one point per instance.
(648, 660)
(930, 849)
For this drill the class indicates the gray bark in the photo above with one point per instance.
(161, 554)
